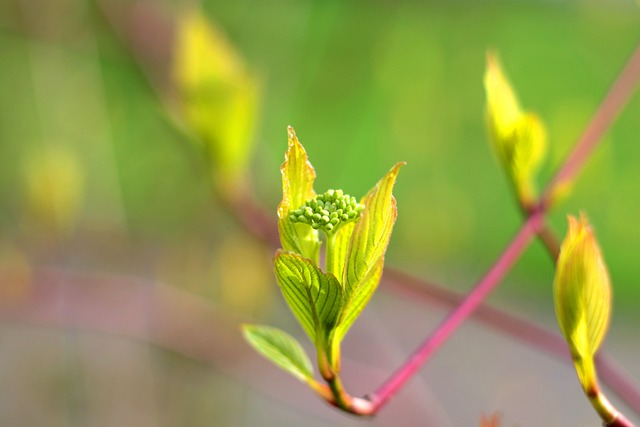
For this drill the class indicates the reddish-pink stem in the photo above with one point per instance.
(616, 98)
(460, 313)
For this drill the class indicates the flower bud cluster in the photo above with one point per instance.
(328, 211)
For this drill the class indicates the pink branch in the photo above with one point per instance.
(460, 313)
(613, 103)
(616, 99)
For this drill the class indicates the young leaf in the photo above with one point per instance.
(297, 187)
(314, 297)
(341, 248)
(365, 255)
(582, 290)
(281, 348)
(217, 96)
(503, 108)
(358, 301)
(582, 294)
(519, 139)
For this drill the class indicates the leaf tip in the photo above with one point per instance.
(291, 133)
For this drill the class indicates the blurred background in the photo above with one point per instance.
(124, 271)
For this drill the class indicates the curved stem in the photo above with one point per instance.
(461, 312)
(610, 107)
(328, 254)
(545, 234)
(342, 399)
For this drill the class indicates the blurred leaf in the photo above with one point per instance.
(369, 241)
(281, 348)
(314, 297)
(55, 181)
(503, 107)
(243, 275)
(297, 187)
(219, 98)
(519, 139)
(582, 294)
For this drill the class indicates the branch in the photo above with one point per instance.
(613, 103)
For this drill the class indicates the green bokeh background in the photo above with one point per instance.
(365, 84)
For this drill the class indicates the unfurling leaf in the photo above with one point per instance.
(582, 293)
(518, 138)
(281, 348)
(218, 96)
(297, 187)
(365, 252)
(314, 297)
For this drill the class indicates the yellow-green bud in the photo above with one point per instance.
(328, 211)
(582, 294)
(582, 289)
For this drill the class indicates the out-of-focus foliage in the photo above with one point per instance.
(53, 186)
(582, 290)
(518, 138)
(218, 96)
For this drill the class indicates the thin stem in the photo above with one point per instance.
(546, 235)
(618, 381)
(342, 399)
(620, 421)
(517, 328)
(461, 312)
(329, 253)
(550, 241)
(610, 107)
(608, 413)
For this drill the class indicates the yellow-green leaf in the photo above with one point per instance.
(281, 348)
(582, 290)
(358, 300)
(503, 107)
(315, 297)
(518, 138)
(297, 187)
(341, 242)
(218, 96)
(368, 244)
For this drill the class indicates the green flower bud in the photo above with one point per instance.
(328, 211)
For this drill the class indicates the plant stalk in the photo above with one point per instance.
(461, 312)
(613, 103)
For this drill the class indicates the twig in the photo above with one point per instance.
(610, 107)
(459, 314)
